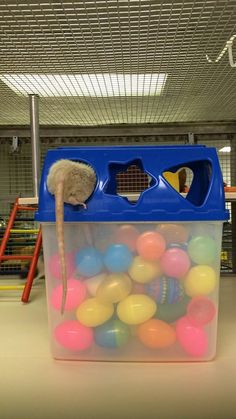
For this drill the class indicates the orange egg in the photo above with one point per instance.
(151, 245)
(155, 334)
(127, 234)
(174, 233)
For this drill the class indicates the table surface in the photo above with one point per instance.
(34, 385)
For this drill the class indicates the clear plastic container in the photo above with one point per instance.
(136, 291)
(143, 276)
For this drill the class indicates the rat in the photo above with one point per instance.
(72, 183)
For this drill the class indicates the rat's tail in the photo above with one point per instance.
(60, 238)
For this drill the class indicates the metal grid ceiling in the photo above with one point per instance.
(121, 37)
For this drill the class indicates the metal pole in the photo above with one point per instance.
(34, 126)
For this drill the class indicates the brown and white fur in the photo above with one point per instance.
(73, 183)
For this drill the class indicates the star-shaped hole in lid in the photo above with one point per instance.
(129, 180)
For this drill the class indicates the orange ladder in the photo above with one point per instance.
(19, 206)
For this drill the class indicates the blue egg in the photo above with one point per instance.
(183, 246)
(89, 261)
(118, 258)
(112, 334)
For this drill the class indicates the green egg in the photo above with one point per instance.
(202, 250)
(171, 312)
(112, 334)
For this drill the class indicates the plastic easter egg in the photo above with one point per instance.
(54, 266)
(201, 310)
(174, 233)
(151, 245)
(92, 313)
(156, 334)
(175, 263)
(200, 280)
(73, 336)
(118, 258)
(136, 309)
(143, 271)
(183, 246)
(103, 235)
(76, 293)
(116, 287)
(202, 250)
(203, 229)
(138, 288)
(146, 227)
(165, 290)
(89, 261)
(127, 234)
(93, 283)
(171, 312)
(113, 334)
(193, 339)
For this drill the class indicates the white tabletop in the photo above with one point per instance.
(33, 385)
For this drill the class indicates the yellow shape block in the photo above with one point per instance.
(173, 179)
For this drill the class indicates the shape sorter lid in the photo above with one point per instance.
(205, 200)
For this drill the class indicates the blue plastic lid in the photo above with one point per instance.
(205, 200)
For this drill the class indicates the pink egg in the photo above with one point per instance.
(73, 335)
(76, 293)
(54, 265)
(201, 310)
(193, 339)
(175, 262)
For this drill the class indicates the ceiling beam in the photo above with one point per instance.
(123, 130)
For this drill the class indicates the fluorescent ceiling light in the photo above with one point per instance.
(225, 149)
(93, 85)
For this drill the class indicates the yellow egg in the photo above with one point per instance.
(114, 288)
(93, 283)
(92, 313)
(136, 309)
(200, 280)
(144, 271)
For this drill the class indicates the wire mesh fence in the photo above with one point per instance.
(16, 180)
